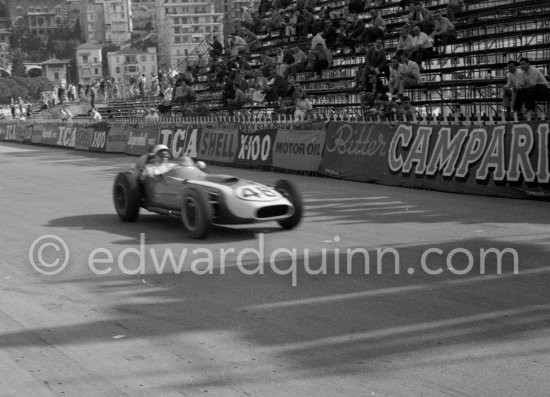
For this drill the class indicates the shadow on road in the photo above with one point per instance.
(338, 322)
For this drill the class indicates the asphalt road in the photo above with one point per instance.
(128, 328)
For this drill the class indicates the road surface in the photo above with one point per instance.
(258, 311)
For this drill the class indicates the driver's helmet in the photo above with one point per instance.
(159, 148)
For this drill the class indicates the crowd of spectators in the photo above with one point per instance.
(304, 36)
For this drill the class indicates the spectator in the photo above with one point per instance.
(405, 42)
(301, 105)
(217, 48)
(142, 82)
(455, 7)
(532, 87)
(374, 88)
(375, 59)
(290, 26)
(239, 101)
(405, 109)
(246, 18)
(422, 46)
(408, 76)
(299, 63)
(66, 115)
(422, 17)
(12, 108)
(305, 23)
(510, 89)
(237, 44)
(318, 39)
(29, 111)
(377, 30)
(165, 105)
(95, 115)
(358, 32)
(444, 32)
(319, 59)
(331, 34)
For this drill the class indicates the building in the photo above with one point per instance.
(105, 21)
(5, 35)
(39, 17)
(127, 65)
(184, 26)
(144, 15)
(89, 62)
(57, 71)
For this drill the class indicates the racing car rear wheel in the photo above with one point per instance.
(126, 197)
(289, 190)
(196, 214)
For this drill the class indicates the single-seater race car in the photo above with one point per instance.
(201, 199)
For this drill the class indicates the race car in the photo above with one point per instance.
(201, 199)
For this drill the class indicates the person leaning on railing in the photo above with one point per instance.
(532, 87)
(510, 88)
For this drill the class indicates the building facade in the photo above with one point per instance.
(5, 48)
(39, 17)
(89, 62)
(127, 65)
(57, 71)
(185, 25)
(105, 21)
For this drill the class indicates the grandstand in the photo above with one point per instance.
(466, 78)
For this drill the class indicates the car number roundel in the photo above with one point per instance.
(256, 193)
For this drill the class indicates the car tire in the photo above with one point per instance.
(291, 193)
(196, 214)
(126, 197)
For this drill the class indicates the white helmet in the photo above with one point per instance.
(159, 148)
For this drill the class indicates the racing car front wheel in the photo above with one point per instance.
(290, 192)
(126, 197)
(196, 214)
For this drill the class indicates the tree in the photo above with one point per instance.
(17, 66)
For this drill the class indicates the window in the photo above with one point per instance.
(117, 70)
(18, 11)
(117, 59)
(95, 59)
(46, 9)
(56, 76)
(177, 40)
(31, 9)
(38, 9)
(84, 58)
(96, 71)
(143, 58)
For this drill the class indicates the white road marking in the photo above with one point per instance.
(9, 149)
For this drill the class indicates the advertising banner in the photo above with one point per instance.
(63, 135)
(256, 148)
(510, 160)
(182, 140)
(7, 131)
(298, 150)
(141, 139)
(117, 139)
(21, 131)
(37, 132)
(219, 145)
(84, 137)
(99, 137)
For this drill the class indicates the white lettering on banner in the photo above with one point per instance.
(311, 149)
(457, 155)
(181, 143)
(67, 136)
(98, 140)
(10, 132)
(48, 134)
(358, 141)
(253, 147)
(139, 140)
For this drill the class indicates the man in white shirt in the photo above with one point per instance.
(510, 89)
(532, 86)
(409, 76)
(95, 115)
(422, 46)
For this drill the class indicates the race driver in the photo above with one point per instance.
(155, 163)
